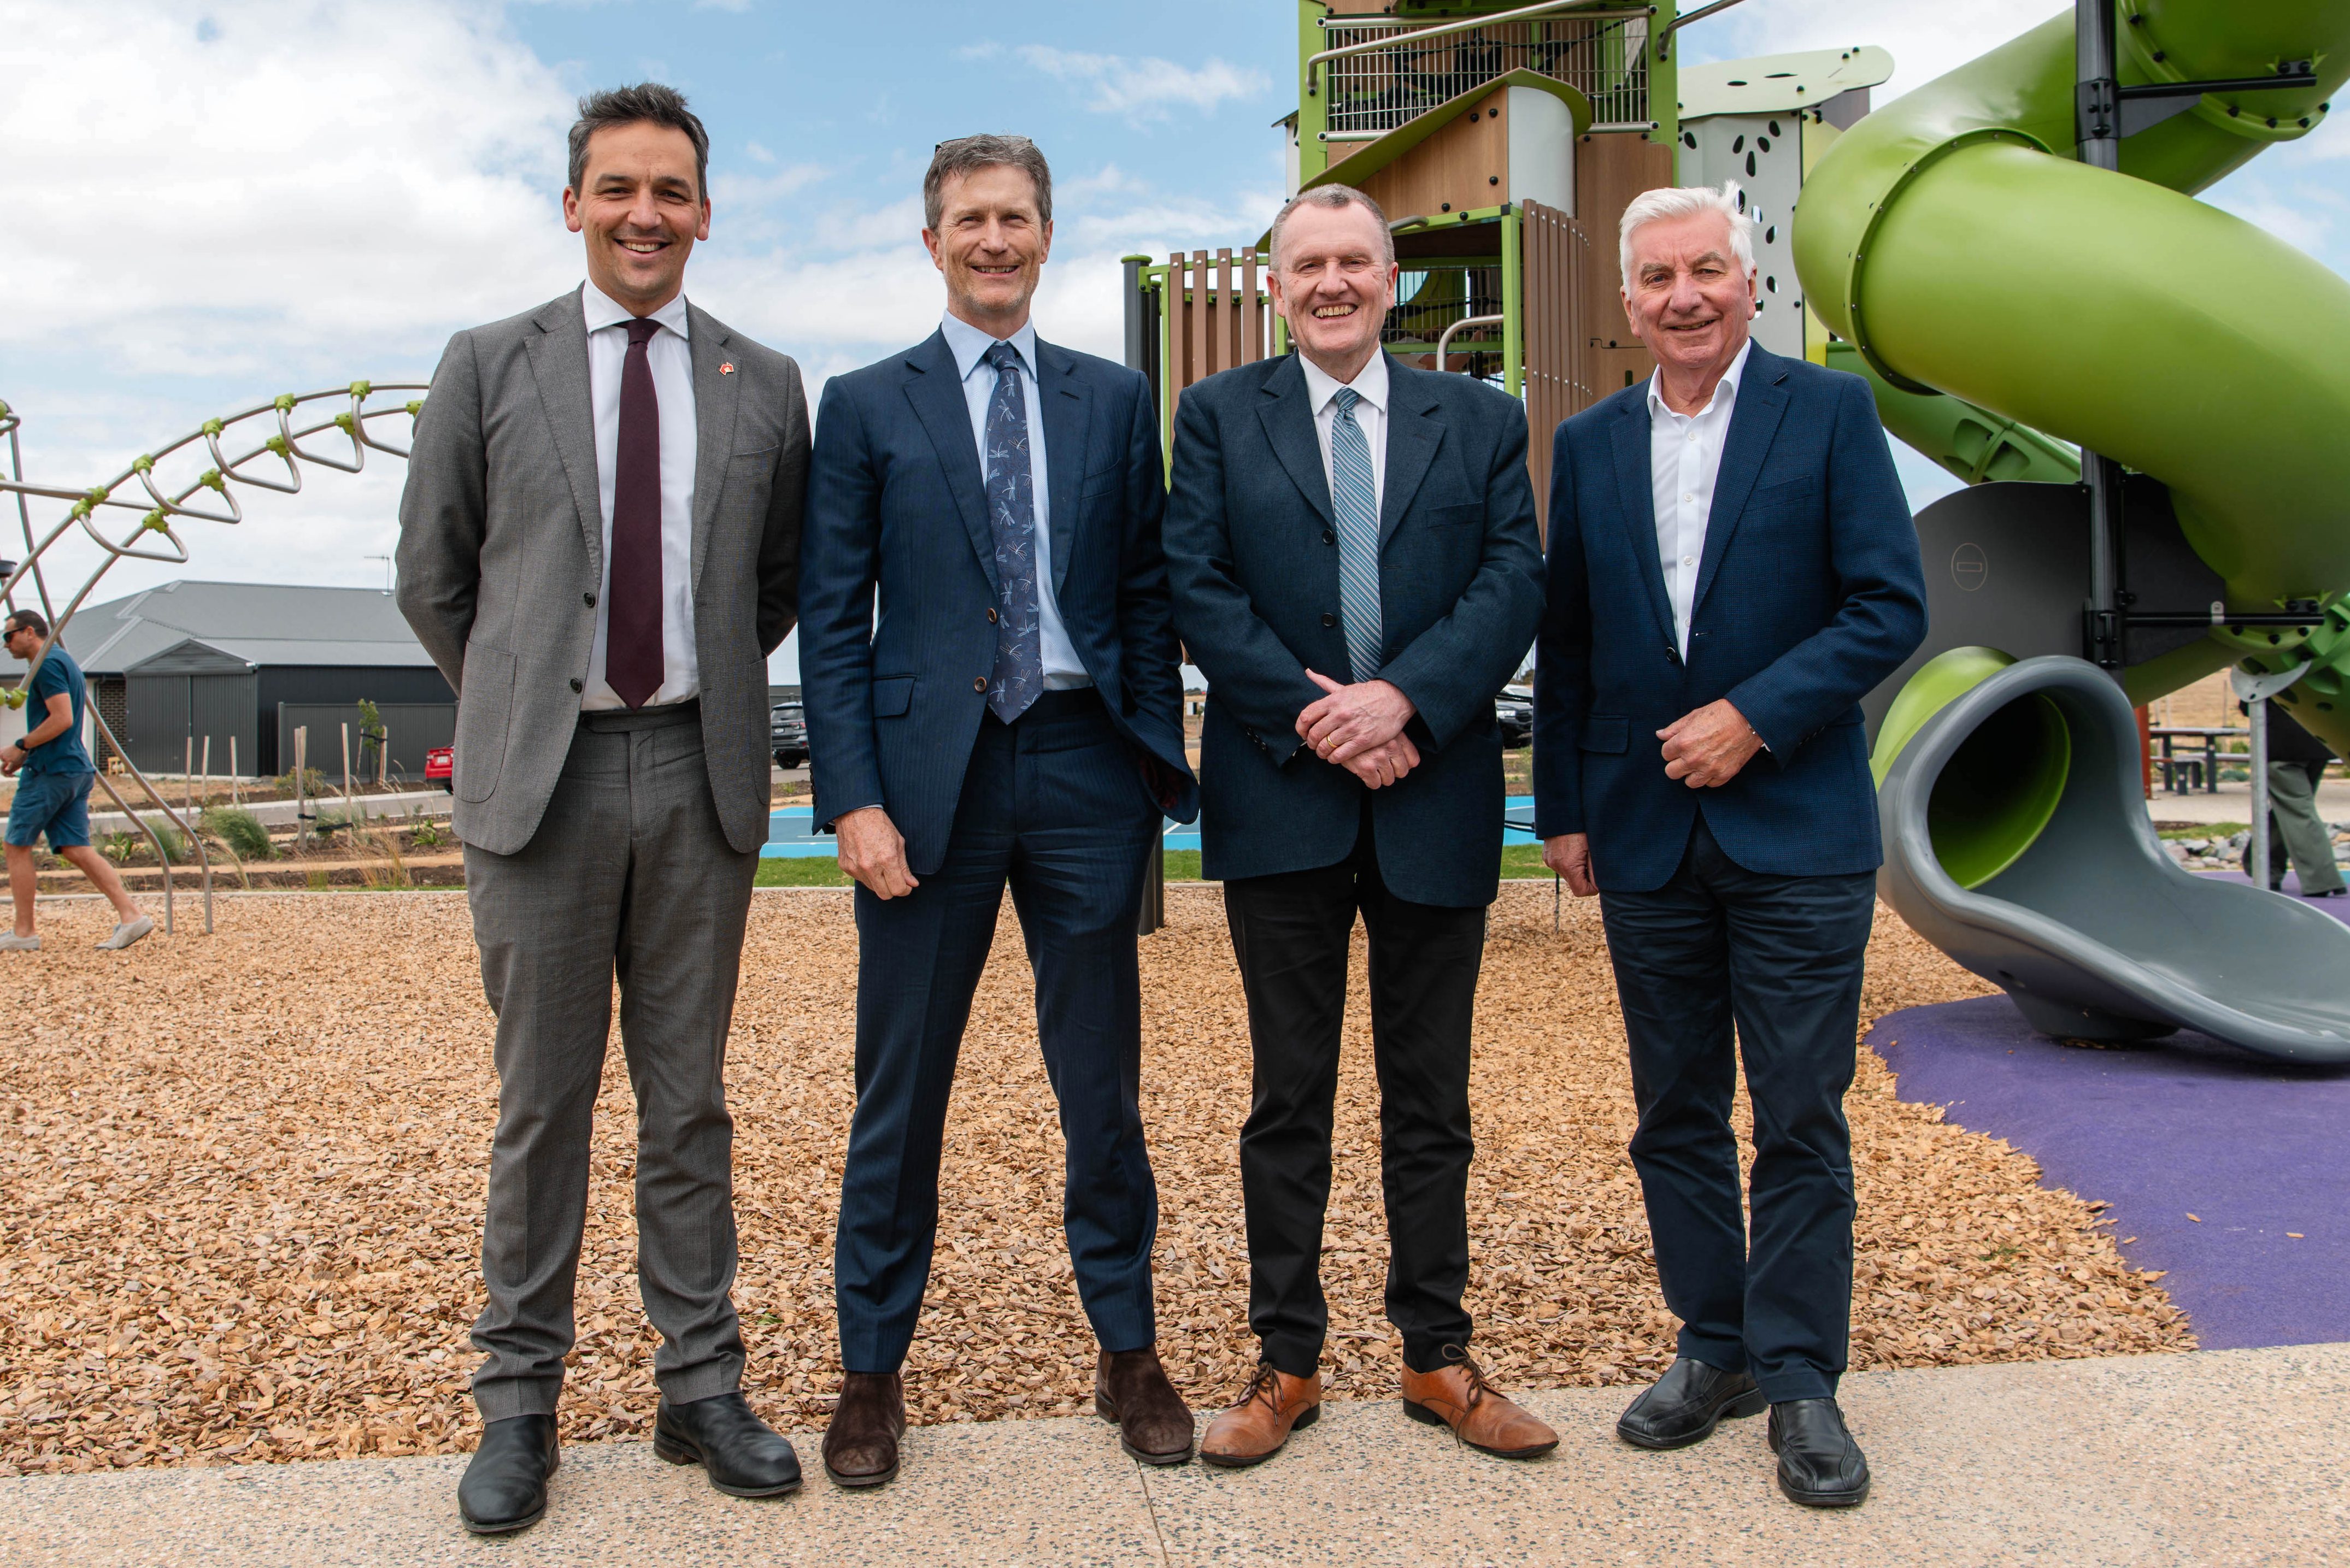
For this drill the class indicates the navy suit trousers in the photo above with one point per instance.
(1779, 958)
(1052, 804)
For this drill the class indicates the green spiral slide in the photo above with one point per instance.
(2005, 299)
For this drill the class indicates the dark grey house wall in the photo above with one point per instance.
(163, 714)
(342, 686)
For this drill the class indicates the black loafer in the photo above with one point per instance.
(1686, 1404)
(505, 1489)
(1819, 1464)
(743, 1455)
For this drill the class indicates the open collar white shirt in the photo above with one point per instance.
(1684, 461)
(1370, 384)
(670, 357)
(969, 345)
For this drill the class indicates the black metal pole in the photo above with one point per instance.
(2099, 135)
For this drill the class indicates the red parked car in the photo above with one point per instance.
(440, 767)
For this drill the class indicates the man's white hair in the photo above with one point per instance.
(1683, 201)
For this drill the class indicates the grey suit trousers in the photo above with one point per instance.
(629, 873)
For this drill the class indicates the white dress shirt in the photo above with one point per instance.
(672, 366)
(1370, 384)
(969, 346)
(1684, 458)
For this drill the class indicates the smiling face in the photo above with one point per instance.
(989, 246)
(640, 210)
(1333, 282)
(1689, 297)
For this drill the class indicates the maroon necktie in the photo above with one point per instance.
(632, 635)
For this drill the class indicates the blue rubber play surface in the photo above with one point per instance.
(791, 831)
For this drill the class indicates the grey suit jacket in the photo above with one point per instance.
(501, 550)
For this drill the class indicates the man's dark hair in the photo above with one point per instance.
(29, 621)
(645, 101)
(966, 153)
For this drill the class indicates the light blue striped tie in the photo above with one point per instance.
(1356, 499)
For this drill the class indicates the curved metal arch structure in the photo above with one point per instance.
(279, 430)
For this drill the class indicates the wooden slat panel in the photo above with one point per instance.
(1203, 317)
(1228, 314)
(1251, 311)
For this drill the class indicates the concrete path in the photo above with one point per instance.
(2223, 1458)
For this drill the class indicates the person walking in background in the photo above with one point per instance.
(53, 772)
(2297, 763)
(1358, 572)
(597, 547)
(1013, 716)
(1732, 567)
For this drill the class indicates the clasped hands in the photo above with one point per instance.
(1360, 729)
(1705, 748)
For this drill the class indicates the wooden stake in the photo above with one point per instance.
(232, 770)
(301, 782)
(206, 788)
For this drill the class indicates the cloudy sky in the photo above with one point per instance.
(232, 199)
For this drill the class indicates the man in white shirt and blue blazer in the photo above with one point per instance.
(1732, 567)
(1012, 716)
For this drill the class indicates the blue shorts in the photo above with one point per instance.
(54, 803)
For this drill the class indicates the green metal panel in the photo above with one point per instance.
(1513, 307)
(1313, 108)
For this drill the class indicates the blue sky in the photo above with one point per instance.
(241, 197)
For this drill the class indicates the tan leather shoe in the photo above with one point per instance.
(1273, 1406)
(1459, 1396)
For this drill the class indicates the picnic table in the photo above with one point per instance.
(2200, 764)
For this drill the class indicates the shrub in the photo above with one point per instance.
(242, 831)
(175, 849)
(316, 780)
(428, 836)
(120, 847)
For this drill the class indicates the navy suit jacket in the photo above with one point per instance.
(1808, 594)
(896, 502)
(1252, 551)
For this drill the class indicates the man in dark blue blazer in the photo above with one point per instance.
(1731, 566)
(1357, 571)
(1013, 715)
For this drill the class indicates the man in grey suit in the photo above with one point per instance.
(598, 547)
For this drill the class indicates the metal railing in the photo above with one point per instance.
(1379, 74)
(159, 496)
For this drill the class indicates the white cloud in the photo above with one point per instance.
(1144, 88)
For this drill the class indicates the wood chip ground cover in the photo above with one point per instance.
(244, 1174)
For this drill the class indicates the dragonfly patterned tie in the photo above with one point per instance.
(1019, 675)
(1355, 495)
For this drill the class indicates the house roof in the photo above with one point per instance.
(257, 624)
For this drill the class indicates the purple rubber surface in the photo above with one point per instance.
(2181, 1125)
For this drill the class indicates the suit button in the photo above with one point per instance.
(990, 618)
(579, 686)
(1329, 619)
(979, 683)
(1329, 537)
(590, 598)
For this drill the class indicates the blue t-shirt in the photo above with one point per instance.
(64, 753)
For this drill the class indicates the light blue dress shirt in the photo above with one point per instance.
(968, 343)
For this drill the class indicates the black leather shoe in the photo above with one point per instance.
(1686, 1404)
(505, 1489)
(1819, 1464)
(743, 1455)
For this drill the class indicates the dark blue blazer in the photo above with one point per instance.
(896, 502)
(1251, 548)
(1808, 595)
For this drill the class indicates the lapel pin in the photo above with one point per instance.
(727, 369)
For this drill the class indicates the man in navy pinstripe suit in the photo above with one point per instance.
(1013, 716)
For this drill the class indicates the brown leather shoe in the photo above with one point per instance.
(1130, 1388)
(1459, 1396)
(860, 1445)
(1273, 1406)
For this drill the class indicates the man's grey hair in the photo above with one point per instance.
(1682, 202)
(1335, 197)
(966, 154)
(647, 102)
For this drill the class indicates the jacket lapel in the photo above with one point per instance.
(1413, 436)
(936, 392)
(1068, 414)
(1636, 488)
(716, 400)
(1289, 426)
(1753, 421)
(558, 363)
